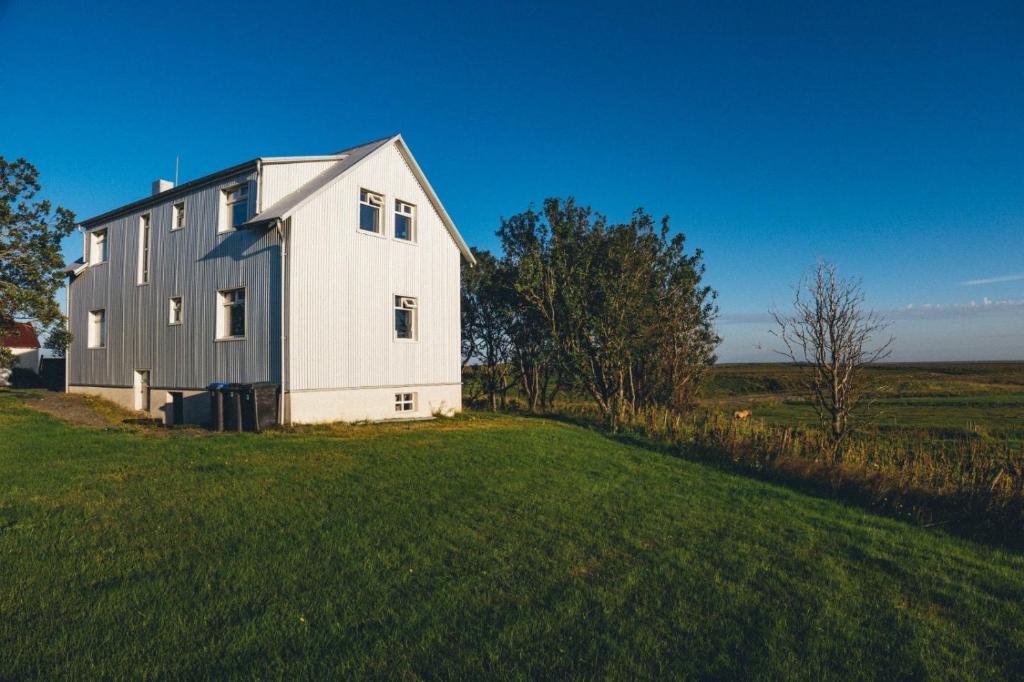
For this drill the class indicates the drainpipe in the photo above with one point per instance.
(67, 351)
(283, 241)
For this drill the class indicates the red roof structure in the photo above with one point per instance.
(22, 335)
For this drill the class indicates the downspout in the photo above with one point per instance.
(67, 351)
(283, 241)
(259, 186)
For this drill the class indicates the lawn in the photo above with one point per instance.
(478, 546)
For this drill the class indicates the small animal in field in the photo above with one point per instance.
(741, 414)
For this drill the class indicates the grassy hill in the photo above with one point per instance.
(497, 546)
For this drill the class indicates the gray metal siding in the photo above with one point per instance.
(194, 263)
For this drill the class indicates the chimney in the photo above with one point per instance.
(162, 186)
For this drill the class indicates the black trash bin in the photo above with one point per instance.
(245, 407)
(264, 405)
(216, 390)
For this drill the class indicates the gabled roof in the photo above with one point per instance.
(289, 204)
(21, 335)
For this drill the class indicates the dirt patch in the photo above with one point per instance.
(77, 409)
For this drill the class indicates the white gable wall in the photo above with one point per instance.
(342, 360)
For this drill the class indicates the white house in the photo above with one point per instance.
(21, 339)
(335, 277)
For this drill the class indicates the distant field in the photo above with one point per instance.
(963, 397)
(479, 547)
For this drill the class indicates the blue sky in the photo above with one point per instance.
(888, 140)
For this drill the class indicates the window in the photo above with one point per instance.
(144, 235)
(97, 329)
(405, 402)
(405, 318)
(405, 221)
(98, 247)
(236, 207)
(370, 206)
(231, 314)
(176, 310)
(178, 215)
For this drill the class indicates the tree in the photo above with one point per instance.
(623, 304)
(832, 337)
(486, 319)
(59, 337)
(31, 262)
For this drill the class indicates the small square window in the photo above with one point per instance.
(178, 215)
(405, 402)
(98, 247)
(370, 205)
(405, 221)
(231, 314)
(176, 310)
(405, 318)
(97, 329)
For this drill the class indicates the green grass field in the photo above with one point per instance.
(952, 397)
(475, 547)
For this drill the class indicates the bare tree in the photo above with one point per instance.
(832, 337)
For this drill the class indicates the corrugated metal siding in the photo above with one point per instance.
(341, 284)
(281, 179)
(193, 263)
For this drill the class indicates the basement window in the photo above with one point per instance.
(405, 221)
(176, 310)
(231, 314)
(178, 215)
(97, 329)
(405, 402)
(98, 247)
(236, 207)
(405, 318)
(370, 205)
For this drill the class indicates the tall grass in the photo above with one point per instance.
(967, 482)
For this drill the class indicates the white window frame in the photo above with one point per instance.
(97, 329)
(178, 220)
(227, 205)
(224, 314)
(171, 307)
(410, 304)
(145, 249)
(374, 200)
(406, 402)
(407, 210)
(94, 241)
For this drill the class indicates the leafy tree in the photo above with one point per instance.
(623, 304)
(59, 337)
(31, 262)
(486, 320)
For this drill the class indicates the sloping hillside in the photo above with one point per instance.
(467, 547)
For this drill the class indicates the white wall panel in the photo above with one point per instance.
(342, 282)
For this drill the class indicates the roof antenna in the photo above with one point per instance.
(176, 158)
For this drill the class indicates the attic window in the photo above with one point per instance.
(370, 205)
(178, 215)
(98, 247)
(236, 207)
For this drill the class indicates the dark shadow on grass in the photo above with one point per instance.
(959, 515)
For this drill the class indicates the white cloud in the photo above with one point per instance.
(993, 280)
